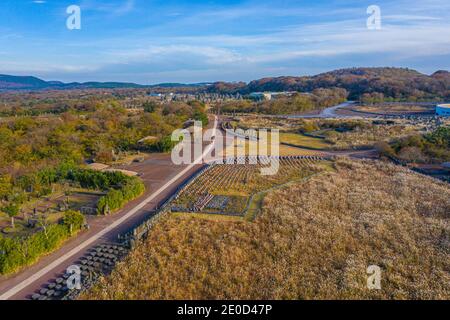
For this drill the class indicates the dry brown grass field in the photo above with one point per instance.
(364, 134)
(312, 240)
(369, 136)
(395, 109)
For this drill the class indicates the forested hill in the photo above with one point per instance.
(376, 83)
(369, 84)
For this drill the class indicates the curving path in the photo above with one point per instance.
(331, 111)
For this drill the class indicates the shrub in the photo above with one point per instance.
(433, 147)
(12, 210)
(74, 220)
(149, 106)
(95, 179)
(384, 148)
(201, 116)
(18, 252)
(116, 198)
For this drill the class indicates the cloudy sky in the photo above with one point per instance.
(153, 41)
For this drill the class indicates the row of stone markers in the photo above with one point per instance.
(98, 261)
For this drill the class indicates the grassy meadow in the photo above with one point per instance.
(311, 240)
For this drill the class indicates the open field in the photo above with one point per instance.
(369, 135)
(241, 147)
(301, 140)
(314, 240)
(341, 134)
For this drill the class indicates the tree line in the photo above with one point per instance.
(318, 99)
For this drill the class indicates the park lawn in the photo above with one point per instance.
(242, 148)
(303, 141)
(293, 151)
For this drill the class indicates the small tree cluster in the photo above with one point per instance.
(18, 252)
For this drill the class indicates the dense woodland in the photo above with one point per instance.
(34, 103)
(80, 126)
(30, 146)
(94, 130)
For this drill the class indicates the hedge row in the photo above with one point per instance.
(91, 179)
(164, 145)
(18, 252)
(117, 198)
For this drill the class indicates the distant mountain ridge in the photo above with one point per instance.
(396, 83)
(21, 82)
(9, 82)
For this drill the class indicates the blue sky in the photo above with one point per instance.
(153, 41)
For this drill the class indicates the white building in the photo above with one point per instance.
(443, 110)
(270, 95)
(261, 96)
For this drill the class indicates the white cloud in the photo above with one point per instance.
(42, 68)
(211, 55)
(410, 18)
(324, 39)
(186, 45)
